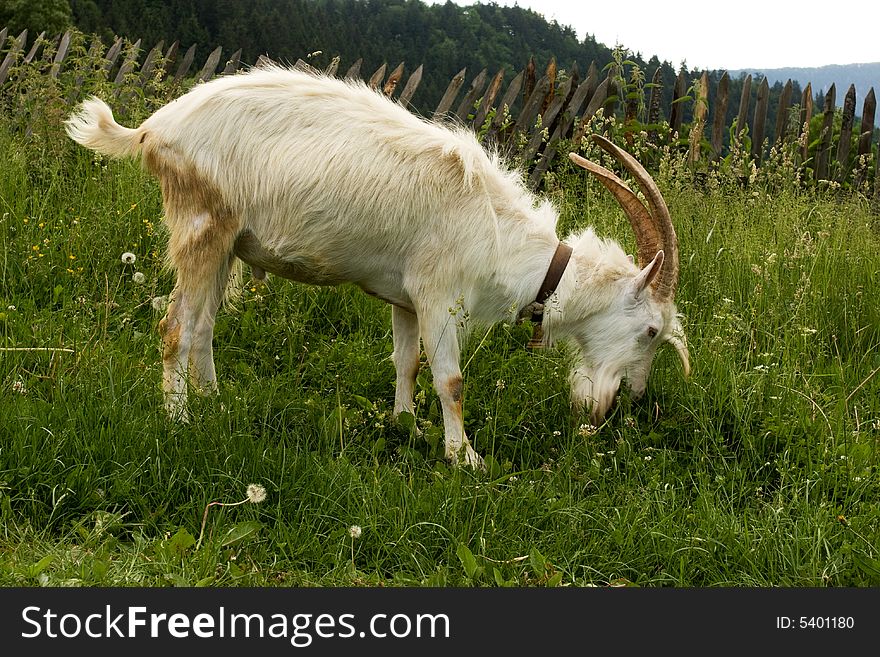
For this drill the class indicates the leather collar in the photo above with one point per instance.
(558, 263)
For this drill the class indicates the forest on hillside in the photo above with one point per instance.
(444, 37)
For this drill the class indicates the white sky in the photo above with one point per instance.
(712, 34)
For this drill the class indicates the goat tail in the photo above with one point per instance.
(93, 126)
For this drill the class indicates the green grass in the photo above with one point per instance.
(761, 469)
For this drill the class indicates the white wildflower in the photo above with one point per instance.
(256, 493)
(587, 430)
(355, 531)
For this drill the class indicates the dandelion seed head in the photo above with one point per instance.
(256, 493)
(138, 277)
(128, 258)
(159, 303)
(355, 531)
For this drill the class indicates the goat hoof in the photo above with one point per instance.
(177, 413)
(469, 458)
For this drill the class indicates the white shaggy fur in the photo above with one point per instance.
(326, 181)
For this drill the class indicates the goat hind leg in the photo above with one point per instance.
(203, 263)
(175, 330)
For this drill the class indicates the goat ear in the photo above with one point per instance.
(643, 280)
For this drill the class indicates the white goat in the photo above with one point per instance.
(325, 181)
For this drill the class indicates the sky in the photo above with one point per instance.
(722, 35)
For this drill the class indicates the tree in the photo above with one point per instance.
(51, 16)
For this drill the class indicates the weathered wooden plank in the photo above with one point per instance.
(488, 100)
(844, 145)
(476, 88)
(3, 34)
(29, 57)
(760, 120)
(210, 66)
(560, 99)
(128, 64)
(825, 138)
(612, 97)
(548, 118)
(60, 54)
(232, 64)
(112, 55)
(188, 58)
(866, 133)
(745, 100)
(393, 80)
(411, 85)
(170, 55)
(34, 48)
(701, 110)
(354, 71)
(504, 107)
(562, 129)
(332, 67)
(305, 67)
(450, 93)
(526, 119)
(782, 113)
(584, 90)
(593, 78)
(866, 130)
(150, 63)
(16, 47)
(719, 118)
(50, 47)
(531, 78)
(377, 77)
(565, 93)
(596, 101)
(550, 72)
(806, 117)
(679, 96)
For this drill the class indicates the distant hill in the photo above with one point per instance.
(864, 76)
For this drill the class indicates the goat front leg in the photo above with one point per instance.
(405, 326)
(440, 337)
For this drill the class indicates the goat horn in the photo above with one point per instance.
(667, 281)
(648, 239)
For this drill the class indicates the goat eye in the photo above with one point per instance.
(652, 332)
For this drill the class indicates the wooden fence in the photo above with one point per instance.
(565, 104)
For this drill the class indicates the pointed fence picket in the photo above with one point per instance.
(530, 115)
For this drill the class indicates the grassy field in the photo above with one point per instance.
(761, 469)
